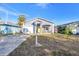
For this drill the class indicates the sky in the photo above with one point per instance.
(58, 13)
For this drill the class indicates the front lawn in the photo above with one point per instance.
(52, 45)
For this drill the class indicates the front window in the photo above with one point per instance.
(46, 28)
(25, 30)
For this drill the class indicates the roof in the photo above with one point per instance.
(41, 19)
(44, 20)
(76, 22)
(9, 25)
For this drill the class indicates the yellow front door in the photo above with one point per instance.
(39, 30)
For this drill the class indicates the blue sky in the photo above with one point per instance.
(59, 13)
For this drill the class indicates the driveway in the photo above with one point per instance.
(10, 42)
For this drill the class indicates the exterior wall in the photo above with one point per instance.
(2, 28)
(29, 27)
(15, 30)
(75, 31)
(53, 28)
(9, 29)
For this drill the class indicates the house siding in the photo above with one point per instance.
(6, 29)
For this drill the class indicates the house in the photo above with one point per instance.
(72, 26)
(7, 28)
(76, 30)
(38, 25)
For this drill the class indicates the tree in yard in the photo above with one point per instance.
(21, 21)
(64, 30)
(68, 31)
(61, 29)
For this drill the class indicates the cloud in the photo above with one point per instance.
(43, 5)
(9, 12)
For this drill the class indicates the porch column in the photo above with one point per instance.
(52, 28)
(41, 27)
(34, 27)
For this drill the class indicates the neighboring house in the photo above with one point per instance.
(6, 28)
(73, 26)
(38, 25)
(76, 30)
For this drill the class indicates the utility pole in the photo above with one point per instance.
(6, 17)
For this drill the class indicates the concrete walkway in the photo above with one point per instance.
(10, 42)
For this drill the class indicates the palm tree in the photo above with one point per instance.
(21, 21)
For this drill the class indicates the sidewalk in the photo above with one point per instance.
(9, 43)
